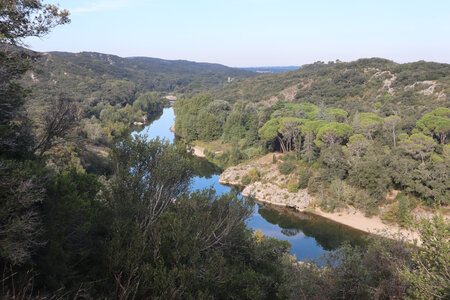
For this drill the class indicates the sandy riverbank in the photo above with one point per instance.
(198, 151)
(271, 188)
(356, 219)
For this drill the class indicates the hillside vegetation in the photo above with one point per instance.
(353, 131)
(106, 95)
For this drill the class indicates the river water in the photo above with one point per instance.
(310, 236)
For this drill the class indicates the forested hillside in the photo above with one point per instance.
(86, 72)
(107, 94)
(353, 131)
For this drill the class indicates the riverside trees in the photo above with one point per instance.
(368, 139)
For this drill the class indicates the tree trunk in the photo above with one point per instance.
(283, 147)
(393, 135)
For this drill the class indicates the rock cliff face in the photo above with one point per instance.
(270, 187)
(271, 193)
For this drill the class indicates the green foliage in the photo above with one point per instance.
(308, 111)
(236, 125)
(274, 159)
(427, 181)
(332, 133)
(404, 216)
(75, 229)
(304, 176)
(270, 130)
(31, 18)
(368, 124)
(253, 174)
(436, 123)
(21, 193)
(293, 185)
(250, 177)
(246, 180)
(333, 162)
(336, 115)
(357, 145)
(15, 128)
(287, 167)
(417, 145)
(429, 277)
(313, 126)
(371, 173)
(391, 124)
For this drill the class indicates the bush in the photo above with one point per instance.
(245, 180)
(314, 184)
(405, 207)
(337, 191)
(287, 167)
(293, 186)
(305, 174)
(253, 175)
(274, 159)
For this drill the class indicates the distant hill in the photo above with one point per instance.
(86, 71)
(271, 70)
(373, 84)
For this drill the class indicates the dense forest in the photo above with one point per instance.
(136, 232)
(351, 131)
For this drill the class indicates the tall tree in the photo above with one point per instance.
(290, 128)
(308, 146)
(270, 131)
(357, 144)
(369, 124)
(332, 133)
(391, 124)
(418, 145)
(149, 177)
(436, 122)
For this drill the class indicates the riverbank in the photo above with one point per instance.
(271, 188)
(197, 150)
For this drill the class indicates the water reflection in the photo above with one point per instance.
(328, 234)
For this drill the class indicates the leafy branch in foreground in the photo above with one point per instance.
(25, 18)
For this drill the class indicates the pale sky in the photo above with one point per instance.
(256, 32)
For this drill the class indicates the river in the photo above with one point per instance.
(311, 236)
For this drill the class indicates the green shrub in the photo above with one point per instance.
(337, 192)
(405, 207)
(286, 167)
(314, 184)
(253, 175)
(274, 159)
(293, 186)
(305, 174)
(390, 215)
(245, 180)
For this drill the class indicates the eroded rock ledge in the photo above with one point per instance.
(268, 187)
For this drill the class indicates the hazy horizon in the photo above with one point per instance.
(255, 33)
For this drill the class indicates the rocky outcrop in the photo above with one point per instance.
(271, 193)
(269, 187)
